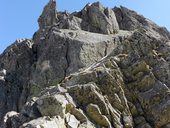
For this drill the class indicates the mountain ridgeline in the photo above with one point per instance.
(95, 68)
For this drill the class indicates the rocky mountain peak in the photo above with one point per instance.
(94, 18)
(48, 16)
(95, 68)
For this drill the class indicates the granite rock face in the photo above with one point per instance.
(93, 17)
(130, 20)
(48, 16)
(95, 68)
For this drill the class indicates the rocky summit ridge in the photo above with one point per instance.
(96, 68)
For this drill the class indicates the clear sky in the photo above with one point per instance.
(18, 18)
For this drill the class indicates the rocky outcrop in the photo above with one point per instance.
(96, 18)
(15, 64)
(98, 67)
(80, 49)
(48, 16)
(130, 20)
(93, 17)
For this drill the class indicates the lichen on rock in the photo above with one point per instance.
(94, 68)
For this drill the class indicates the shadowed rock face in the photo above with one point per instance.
(98, 67)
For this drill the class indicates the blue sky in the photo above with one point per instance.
(18, 18)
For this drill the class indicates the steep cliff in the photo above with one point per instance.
(98, 67)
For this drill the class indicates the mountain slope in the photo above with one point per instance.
(98, 67)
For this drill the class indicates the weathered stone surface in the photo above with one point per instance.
(94, 113)
(52, 105)
(14, 120)
(91, 94)
(96, 18)
(15, 66)
(48, 16)
(45, 122)
(71, 121)
(30, 108)
(147, 86)
(130, 20)
(93, 18)
(98, 67)
(78, 113)
(66, 51)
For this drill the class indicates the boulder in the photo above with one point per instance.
(71, 121)
(94, 113)
(52, 105)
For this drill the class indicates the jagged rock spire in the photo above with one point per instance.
(48, 16)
